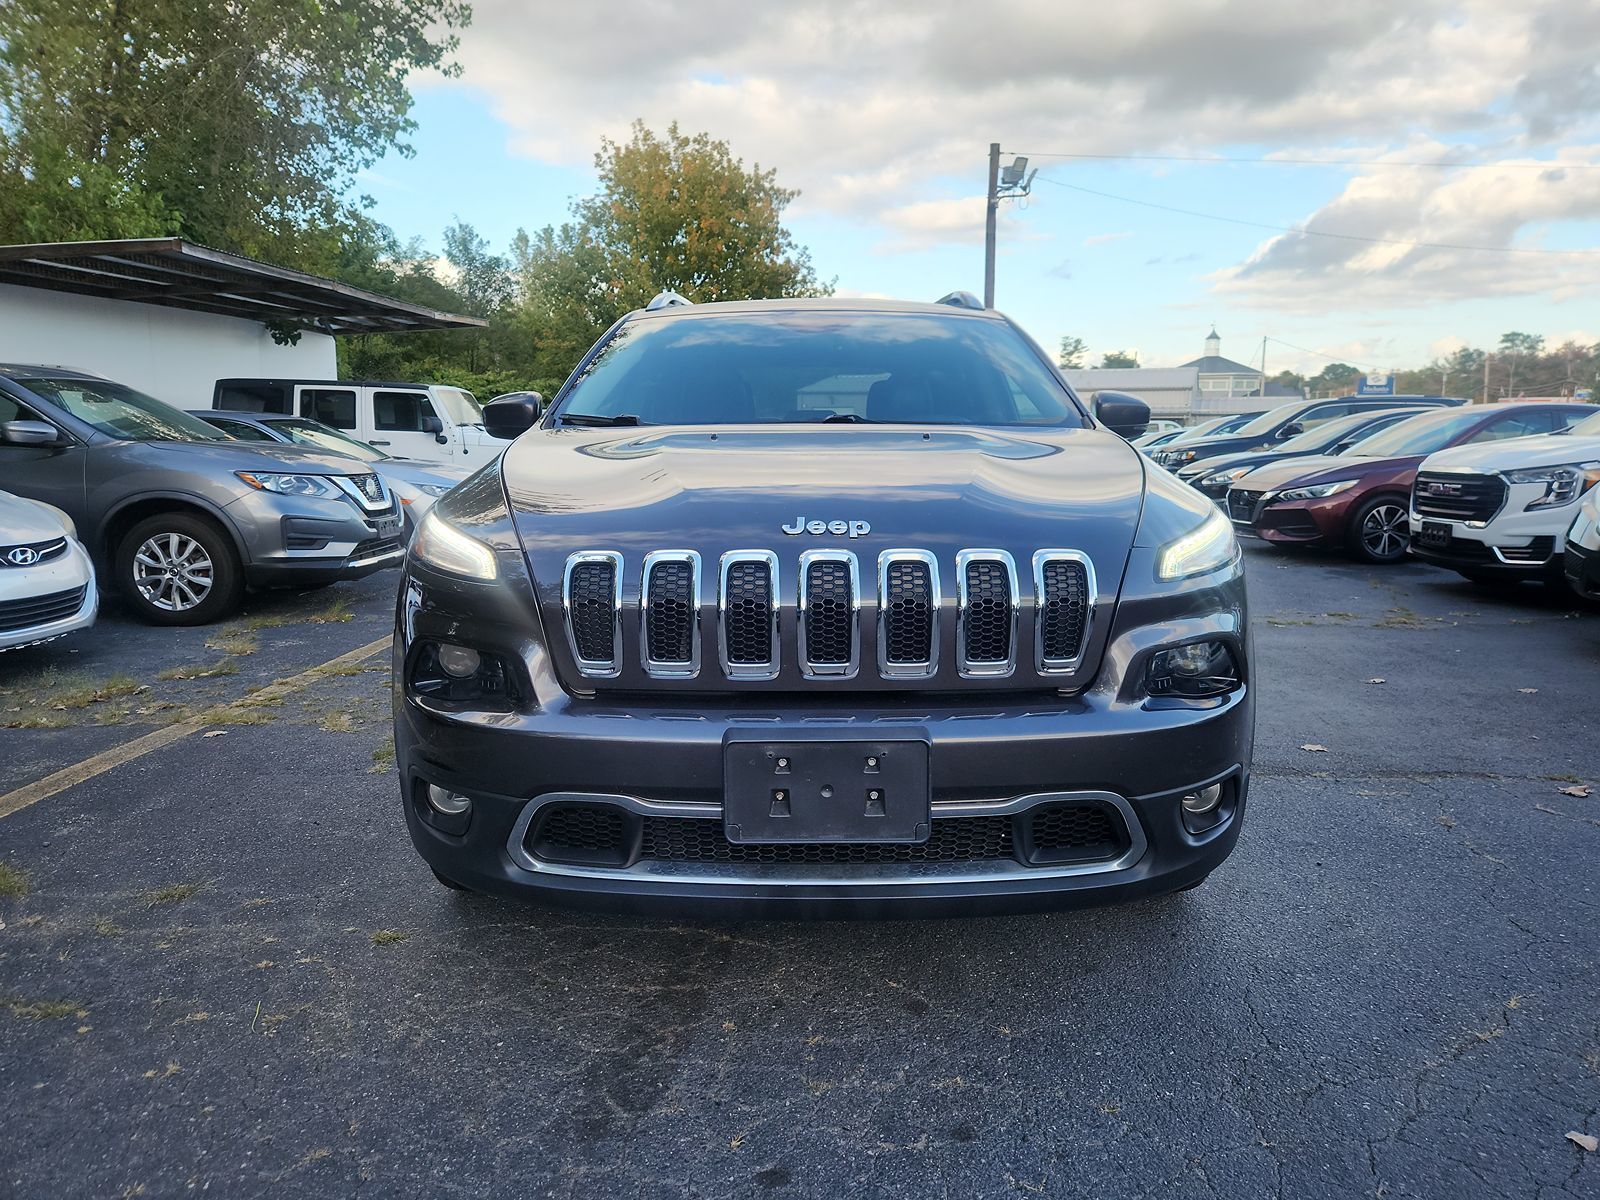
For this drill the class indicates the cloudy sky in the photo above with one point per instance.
(881, 112)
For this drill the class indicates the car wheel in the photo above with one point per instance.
(179, 569)
(1379, 530)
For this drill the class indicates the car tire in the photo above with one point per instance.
(1377, 532)
(179, 569)
(450, 883)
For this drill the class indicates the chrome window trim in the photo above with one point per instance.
(670, 670)
(847, 876)
(929, 668)
(980, 669)
(844, 670)
(1061, 666)
(595, 668)
(767, 670)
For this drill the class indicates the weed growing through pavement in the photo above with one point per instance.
(173, 893)
(13, 882)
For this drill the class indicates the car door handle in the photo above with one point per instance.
(376, 442)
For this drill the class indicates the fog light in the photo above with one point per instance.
(1202, 800)
(453, 804)
(1193, 671)
(460, 661)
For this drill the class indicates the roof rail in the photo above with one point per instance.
(668, 299)
(960, 300)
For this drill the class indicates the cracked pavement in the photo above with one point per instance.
(230, 973)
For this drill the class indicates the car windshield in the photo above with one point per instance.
(1588, 427)
(787, 367)
(1271, 419)
(310, 433)
(462, 406)
(1422, 434)
(1333, 433)
(1234, 424)
(1199, 431)
(121, 412)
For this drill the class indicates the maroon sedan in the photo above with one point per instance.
(1359, 500)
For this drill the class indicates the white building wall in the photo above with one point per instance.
(172, 354)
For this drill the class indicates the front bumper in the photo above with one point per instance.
(293, 540)
(41, 603)
(1583, 570)
(991, 758)
(1515, 544)
(1318, 522)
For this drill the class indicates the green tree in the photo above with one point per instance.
(671, 212)
(238, 124)
(1119, 358)
(1073, 352)
(1515, 349)
(1334, 379)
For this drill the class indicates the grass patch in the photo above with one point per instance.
(173, 893)
(234, 642)
(223, 666)
(340, 722)
(106, 927)
(1402, 618)
(1551, 778)
(13, 882)
(382, 758)
(39, 721)
(336, 613)
(70, 692)
(40, 1010)
(388, 937)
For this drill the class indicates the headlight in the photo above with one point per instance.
(1562, 485)
(1207, 547)
(434, 489)
(1318, 491)
(1217, 479)
(441, 545)
(290, 485)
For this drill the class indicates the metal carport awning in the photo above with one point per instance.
(178, 274)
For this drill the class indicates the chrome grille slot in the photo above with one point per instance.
(747, 633)
(669, 618)
(1064, 595)
(908, 614)
(1457, 496)
(986, 613)
(830, 602)
(592, 598)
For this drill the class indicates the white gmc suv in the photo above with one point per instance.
(1501, 510)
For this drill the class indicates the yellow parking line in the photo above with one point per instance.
(60, 781)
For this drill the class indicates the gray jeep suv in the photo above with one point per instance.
(179, 516)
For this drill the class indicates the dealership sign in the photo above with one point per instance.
(1375, 385)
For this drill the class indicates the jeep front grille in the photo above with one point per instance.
(749, 626)
(593, 597)
(1458, 497)
(986, 613)
(669, 622)
(757, 610)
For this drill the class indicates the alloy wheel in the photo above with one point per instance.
(1383, 531)
(173, 572)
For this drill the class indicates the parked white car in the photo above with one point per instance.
(47, 586)
(1583, 548)
(425, 421)
(1502, 509)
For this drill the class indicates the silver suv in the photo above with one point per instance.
(177, 515)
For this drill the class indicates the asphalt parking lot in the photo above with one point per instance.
(223, 969)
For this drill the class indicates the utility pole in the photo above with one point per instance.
(1263, 369)
(989, 224)
(1487, 358)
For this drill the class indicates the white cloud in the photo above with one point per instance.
(1101, 239)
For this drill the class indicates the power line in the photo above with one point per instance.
(1305, 350)
(1343, 237)
(1441, 164)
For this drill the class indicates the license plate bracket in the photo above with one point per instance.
(1435, 535)
(836, 786)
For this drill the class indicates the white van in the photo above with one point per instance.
(425, 421)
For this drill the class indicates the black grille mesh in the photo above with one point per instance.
(908, 619)
(958, 839)
(1085, 827)
(988, 612)
(748, 625)
(593, 617)
(40, 610)
(669, 624)
(1242, 504)
(830, 616)
(1064, 608)
(1462, 498)
(575, 828)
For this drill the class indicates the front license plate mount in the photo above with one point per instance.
(1435, 535)
(832, 787)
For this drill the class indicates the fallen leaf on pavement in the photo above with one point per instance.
(1314, 748)
(1377, 681)
(1528, 691)
(216, 733)
(1587, 1140)
(1581, 791)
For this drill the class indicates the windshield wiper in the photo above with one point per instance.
(596, 420)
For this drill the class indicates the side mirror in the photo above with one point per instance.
(432, 425)
(1121, 413)
(514, 415)
(30, 433)
(1292, 429)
